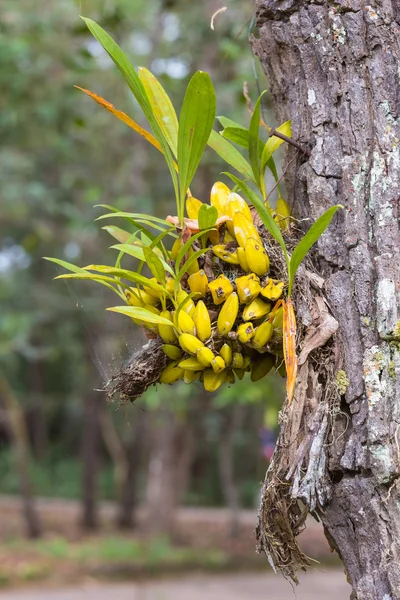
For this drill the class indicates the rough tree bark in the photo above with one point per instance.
(333, 68)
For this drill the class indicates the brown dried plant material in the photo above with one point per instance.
(324, 326)
(143, 369)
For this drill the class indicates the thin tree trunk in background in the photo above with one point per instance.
(22, 457)
(126, 517)
(36, 413)
(226, 461)
(168, 471)
(333, 69)
(90, 459)
(115, 448)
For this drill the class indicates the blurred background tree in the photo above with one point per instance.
(59, 156)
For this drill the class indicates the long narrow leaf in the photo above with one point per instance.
(142, 216)
(254, 154)
(186, 246)
(158, 245)
(130, 244)
(103, 279)
(135, 251)
(79, 273)
(138, 222)
(65, 264)
(274, 142)
(263, 213)
(119, 234)
(195, 124)
(117, 212)
(189, 262)
(309, 240)
(136, 86)
(154, 263)
(240, 136)
(272, 167)
(163, 109)
(230, 154)
(237, 135)
(225, 122)
(137, 312)
(122, 117)
(129, 275)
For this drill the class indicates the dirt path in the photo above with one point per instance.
(328, 584)
(108, 509)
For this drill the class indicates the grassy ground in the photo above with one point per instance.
(57, 559)
(65, 554)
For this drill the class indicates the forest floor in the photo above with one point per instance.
(64, 554)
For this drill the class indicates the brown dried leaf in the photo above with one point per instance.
(323, 327)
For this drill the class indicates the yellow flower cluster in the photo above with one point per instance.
(226, 316)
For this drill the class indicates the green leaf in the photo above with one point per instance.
(272, 167)
(189, 262)
(163, 109)
(103, 279)
(121, 254)
(237, 135)
(274, 142)
(207, 216)
(225, 122)
(156, 223)
(135, 251)
(79, 273)
(182, 304)
(158, 246)
(137, 312)
(308, 241)
(240, 136)
(129, 275)
(137, 88)
(119, 234)
(263, 213)
(155, 265)
(230, 154)
(254, 154)
(116, 212)
(66, 265)
(185, 248)
(145, 239)
(195, 124)
(136, 216)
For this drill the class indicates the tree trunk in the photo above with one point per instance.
(115, 448)
(168, 472)
(90, 458)
(226, 462)
(22, 458)
(129, 497)
(333, 68)
(36, 416)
